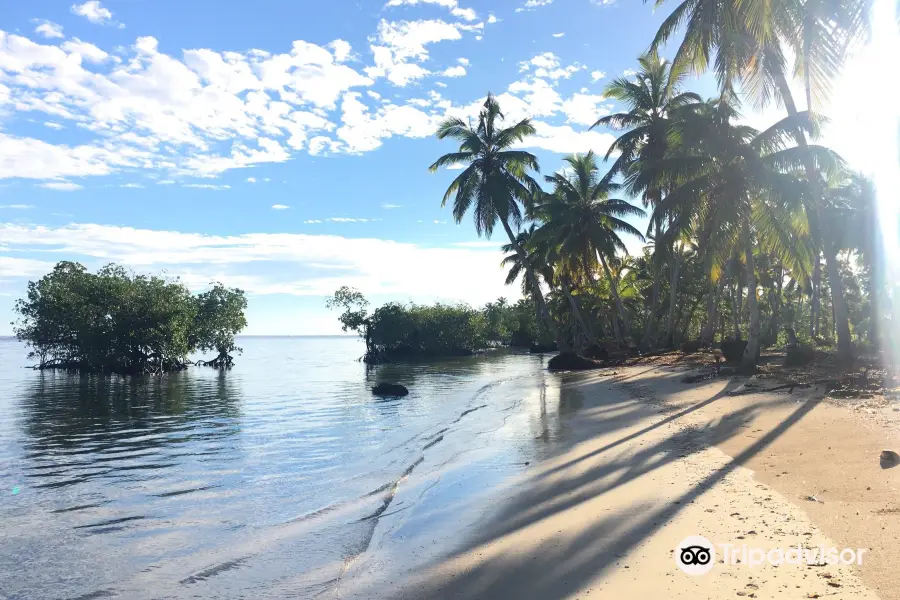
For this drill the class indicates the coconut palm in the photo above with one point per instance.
(582, 223)
(750, 180)
(494, 182)
(748, 38)
(653, 100)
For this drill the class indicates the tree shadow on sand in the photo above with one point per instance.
(568, 563)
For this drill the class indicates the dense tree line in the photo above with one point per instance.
(397, 331)
(114, 321)
(741, 221)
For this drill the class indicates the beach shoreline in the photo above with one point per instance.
(653, 460)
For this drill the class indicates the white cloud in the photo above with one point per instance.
(597, 76)
(388, 206)
(313, 221)
(466, 14)
(271, 263)
(92, 11)
(399, 47)
(206, 186)
(548, 65)
(629, 72)
(585, 109)
(492, 19)
(603, 2)
(363, 130)
(559, 35)
(49, 29)
(463, 61)
(479, 244)
(202, 115)
(349, 220)
(17, 206)
(250, 180)
(280, 206)
(165, 182)
(565, 140)
(132, 185)
(85, 50)
(533, 4)
(53, 125)
(61, 186)
(457, 71)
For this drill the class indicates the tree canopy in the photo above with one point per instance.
(115, 321)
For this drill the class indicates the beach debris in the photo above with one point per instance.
(889, 459)
(389, 389)
(814, 499)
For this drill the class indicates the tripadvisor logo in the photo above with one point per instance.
(696, 555)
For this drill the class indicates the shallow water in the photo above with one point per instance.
(283, 477)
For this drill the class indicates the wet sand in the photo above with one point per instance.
(652, 461)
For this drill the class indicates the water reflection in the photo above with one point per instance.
(84, 427)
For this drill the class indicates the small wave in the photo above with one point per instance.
(214, 570)
(432, 443)
(467, 411)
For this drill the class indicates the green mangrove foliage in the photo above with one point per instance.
(114, 321)
(397, 331)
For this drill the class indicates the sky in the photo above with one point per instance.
(283, 147)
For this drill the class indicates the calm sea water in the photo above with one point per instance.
(281, 478)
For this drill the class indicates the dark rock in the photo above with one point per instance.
(389, 389)
(889, 459)
(596, 351)
(570, 361)
(799, 356)
(543, 348)
(691, 346)
(733, 350)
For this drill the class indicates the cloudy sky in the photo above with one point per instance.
(283, 146)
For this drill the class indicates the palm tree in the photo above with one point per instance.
(495, 181)
(653, 100)
(749, 180)
(517, 268)
(582, 224)
(748, 38)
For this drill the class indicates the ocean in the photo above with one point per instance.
(280, 478)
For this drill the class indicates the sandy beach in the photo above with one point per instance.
(653, 461)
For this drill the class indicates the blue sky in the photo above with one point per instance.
(283, 146)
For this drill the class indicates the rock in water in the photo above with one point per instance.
(889, 459)
(389, 389)
(570, 361)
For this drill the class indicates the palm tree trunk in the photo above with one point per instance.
(650, 326)
(752, 350)
(712, 307)
(735, 312)
(673, 296)
(620, 308)
(577, 313)
(538, 295)
(838, 304)
(845, 348)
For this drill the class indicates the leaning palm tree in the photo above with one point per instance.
(513, 260)
(653, 101)
(750, 181)
(582, 223)
(494, 182)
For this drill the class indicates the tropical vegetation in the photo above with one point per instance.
(739, 221)
(405, 331)
(114, 321)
